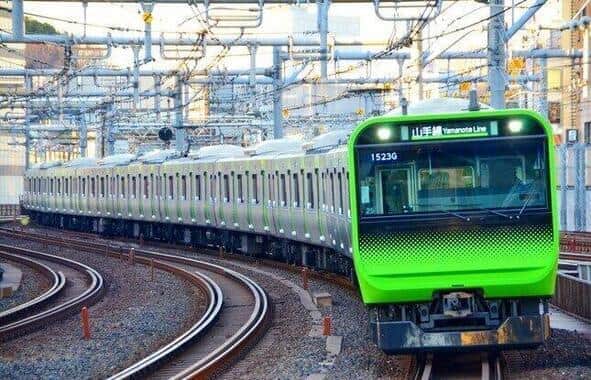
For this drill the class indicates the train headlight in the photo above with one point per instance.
(384, 133)
(515, 126)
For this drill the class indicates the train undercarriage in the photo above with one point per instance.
(460, 321)
(255, 245)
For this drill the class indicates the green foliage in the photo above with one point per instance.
(35, 27)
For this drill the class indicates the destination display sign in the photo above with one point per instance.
(453, 131)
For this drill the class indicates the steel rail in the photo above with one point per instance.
(58, 282)
(477, 366)
(216, 359)
(152, 361)
(72, 305)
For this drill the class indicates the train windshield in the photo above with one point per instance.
(482, 174)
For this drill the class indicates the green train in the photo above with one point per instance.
(446, 220)
(454, 228)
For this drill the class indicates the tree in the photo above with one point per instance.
(33, 26)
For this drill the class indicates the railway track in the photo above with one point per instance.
(447, 366)
(237, 313)
(86, 287)
(57, 284)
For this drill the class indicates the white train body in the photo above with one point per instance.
(276, 195)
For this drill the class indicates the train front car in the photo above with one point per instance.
(454, 226)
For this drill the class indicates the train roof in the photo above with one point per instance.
(80, 162)
(159, 156)
(327, 141)
(117, 160)
(437, 106)
(285, 147)
(216, 152)
(47, 165)
(276, 147)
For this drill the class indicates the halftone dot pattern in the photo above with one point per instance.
(458, 249)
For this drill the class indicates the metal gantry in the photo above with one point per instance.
(263, 83)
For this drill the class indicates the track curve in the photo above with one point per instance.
(70, 306)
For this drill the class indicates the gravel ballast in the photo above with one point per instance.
(566, 355)
(135, 317)
(289, 351)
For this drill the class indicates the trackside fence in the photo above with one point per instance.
(573, 295)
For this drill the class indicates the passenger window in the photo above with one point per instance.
(133, 187)
(347, 205)
(283, 189)
(198, 187)
(212, 194)
(340, 183)
(239, 184)
(323, 184)
(184, 187)
(310, 187)
(331, 189)
(226, 188)
(152, 184)
(296, 190)
(271, 181)
(255, 188)
(146, 188)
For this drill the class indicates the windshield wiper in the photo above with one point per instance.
(466, 218)
(449, 212)
(496, 212)
(530, 194)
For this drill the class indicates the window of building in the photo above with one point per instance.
(587, 133)
(102, 187)
(170, 187)
(122, 186)
(92, 187)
